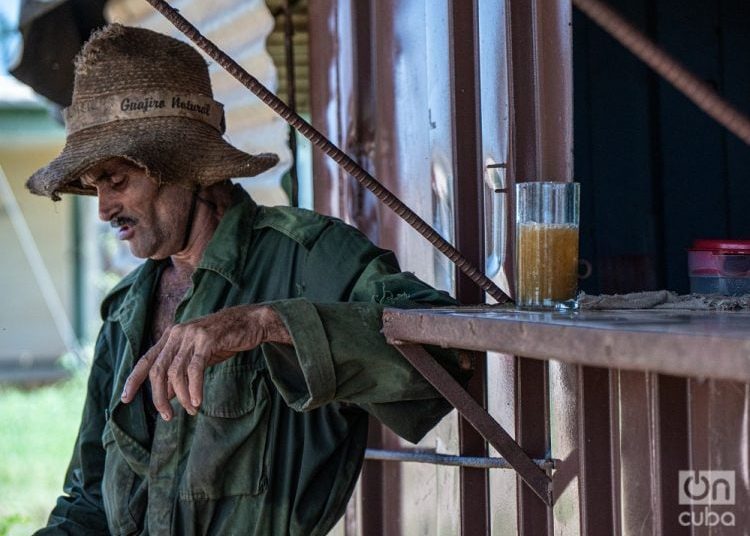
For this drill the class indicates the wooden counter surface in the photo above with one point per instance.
(707, 344)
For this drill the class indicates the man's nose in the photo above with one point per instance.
(108, 205)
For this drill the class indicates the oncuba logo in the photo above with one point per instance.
(707, 489)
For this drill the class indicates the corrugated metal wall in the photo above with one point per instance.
(384, 87)
(397, 84)
(380, 90)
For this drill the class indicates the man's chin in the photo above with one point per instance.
(155, 250)
(157, 257)
(145, 253)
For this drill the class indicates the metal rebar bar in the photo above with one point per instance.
(434, 458)
(324, 144)
(667, 67)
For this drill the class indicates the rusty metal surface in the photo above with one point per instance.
(325, 100)
(699, 410)
(410, 146)
(564, 439)
(495, 125)
(614, 465)
(542, 91)
(497, 117)
(673, 453)
(413, 127)
(532, 425)
(683, 343)
(719, 416)
(501, 404)
(637, 467)
(412, 151)
(541, 141)
(469, 227)
(291, 98)
(536, 479)
(596, 478)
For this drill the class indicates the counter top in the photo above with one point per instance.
(704, 344)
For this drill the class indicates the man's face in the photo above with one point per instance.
(152, 219)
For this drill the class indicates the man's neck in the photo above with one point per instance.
(210, 208)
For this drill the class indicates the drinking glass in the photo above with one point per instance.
(546, 266)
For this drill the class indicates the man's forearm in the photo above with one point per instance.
(275, 330)
(176, 364)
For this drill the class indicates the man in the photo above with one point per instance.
(235, 369)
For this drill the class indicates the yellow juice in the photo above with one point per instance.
(547, 263)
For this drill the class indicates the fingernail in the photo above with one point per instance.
(195, 402)
(192, 411)
(124, 394)
(165, 416)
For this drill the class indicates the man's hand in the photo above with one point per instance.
(176, 364)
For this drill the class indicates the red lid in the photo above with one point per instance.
(722, 245)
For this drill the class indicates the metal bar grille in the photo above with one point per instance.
(477, 462)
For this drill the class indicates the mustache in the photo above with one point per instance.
(121, 221)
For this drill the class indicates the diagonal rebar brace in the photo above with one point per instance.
(340, 157)
(480, 419)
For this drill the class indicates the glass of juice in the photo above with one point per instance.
(546, 266)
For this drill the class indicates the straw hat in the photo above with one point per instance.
(146, 97)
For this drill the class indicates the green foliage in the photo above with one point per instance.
(7, 522)
(37, 432)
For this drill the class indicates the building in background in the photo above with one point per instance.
(30, 343)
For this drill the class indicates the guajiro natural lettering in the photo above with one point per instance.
(149, 103)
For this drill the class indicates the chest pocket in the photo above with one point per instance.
(228, 453)
(117, 486)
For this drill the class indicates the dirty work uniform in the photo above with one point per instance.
(278, 443)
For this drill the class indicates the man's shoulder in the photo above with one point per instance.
(306, 227)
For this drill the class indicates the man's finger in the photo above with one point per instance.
(195, 371)
(158, 373)
(177, 379)
(158, 378)
(140, 371)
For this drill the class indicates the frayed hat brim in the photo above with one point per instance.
(174, 149)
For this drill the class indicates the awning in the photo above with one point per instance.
(53, 32)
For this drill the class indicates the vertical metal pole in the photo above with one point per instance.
(291, 100)
(673, 445)
(541, 149)
(79, 322)
(469, 228)
(597, 510)
(325, 95)
(532, 431)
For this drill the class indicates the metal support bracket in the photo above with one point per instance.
(489, 428)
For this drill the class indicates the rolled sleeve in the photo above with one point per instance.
(305, 373)
(339, 353)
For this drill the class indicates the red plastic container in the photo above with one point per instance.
(719, 267)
